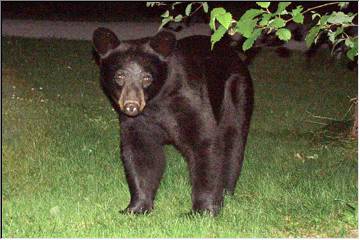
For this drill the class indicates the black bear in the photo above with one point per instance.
(181, 93)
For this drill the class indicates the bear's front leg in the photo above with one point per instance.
(144, 163)
(207, 180)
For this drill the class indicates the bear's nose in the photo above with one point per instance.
(132, 108)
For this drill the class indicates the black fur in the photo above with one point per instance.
(199, 100)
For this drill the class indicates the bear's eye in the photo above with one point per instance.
(120, 78)
(147, 79)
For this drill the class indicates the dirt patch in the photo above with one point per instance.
(354, 233)
(18, 88)
(10, 78)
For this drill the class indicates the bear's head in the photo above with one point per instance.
(132, 72)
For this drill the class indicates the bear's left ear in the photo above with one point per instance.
(163, 43)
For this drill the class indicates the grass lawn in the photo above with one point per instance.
(62, 175)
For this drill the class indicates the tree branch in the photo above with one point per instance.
(320, 6)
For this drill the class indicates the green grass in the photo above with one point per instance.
(62, 174)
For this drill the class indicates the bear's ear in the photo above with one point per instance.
(163, 43)
(104, 40)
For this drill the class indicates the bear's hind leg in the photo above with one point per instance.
(234, 127)
(234, 157)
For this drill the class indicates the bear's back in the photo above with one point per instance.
(210, 67)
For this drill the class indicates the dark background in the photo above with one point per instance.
(118, 11)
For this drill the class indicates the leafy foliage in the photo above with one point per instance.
(263, 4)
(217, 35)
(261, 20)
(277, 23)
(310, 37)
(246, 27)
(283, 34)
(250, 41)
(220, 15)
(297, 15)
(188, 9)
(335, 25)
(281, 10)
(340, 18)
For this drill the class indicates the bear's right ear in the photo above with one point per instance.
(104, 40)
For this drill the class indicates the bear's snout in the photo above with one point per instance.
(131, 108)
(132, 100)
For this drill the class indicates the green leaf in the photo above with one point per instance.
(297, 10)
(323, 20)
(332, 35)
(281, 7)
(256, 33)
(298, 18)
(217, 11)
(213, 16)
(349, 43)
(217, 35)
(263, 4)
(165, 14)
(340, 18)
(351, 53)
(246, 27)
(251, 13)
(188, 9)
(310, 37)
(277, 23)
(343, 4)
(283, 34)
(265, 19)
(212, 24)
(220, 15)
(165, 21)
(205, 7)
(248, 43)
(225, 19)
(178, 18)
